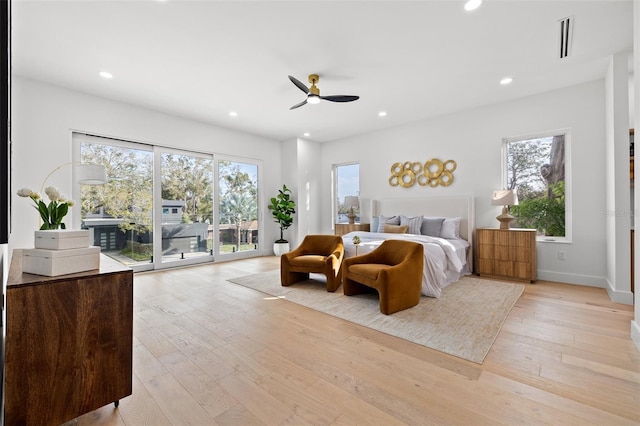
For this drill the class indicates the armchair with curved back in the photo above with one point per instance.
(320, 254)
(394, 269)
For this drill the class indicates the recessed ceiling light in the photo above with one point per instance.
(472, 5)
(306, 134)
(506, 80)
(233, 113)
(382, 114)
(105, 74)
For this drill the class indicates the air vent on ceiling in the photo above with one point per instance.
(566, 30)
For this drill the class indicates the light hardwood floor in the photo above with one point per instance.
(209, 352)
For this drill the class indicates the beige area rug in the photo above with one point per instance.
(464, 321)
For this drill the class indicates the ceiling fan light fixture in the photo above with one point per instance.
(313, 93)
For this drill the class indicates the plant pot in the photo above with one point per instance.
(280, 248)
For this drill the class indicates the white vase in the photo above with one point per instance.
(280, 248)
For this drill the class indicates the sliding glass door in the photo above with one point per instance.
(186, 206)
(238, 219)
(119, 214)
(164, 207)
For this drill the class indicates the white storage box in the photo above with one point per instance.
(60, 262)
(62, 239)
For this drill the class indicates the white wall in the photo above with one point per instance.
(618, 201)
(43, 117)
(474, 140)
(310, 178)
(290, 178)
(635, 324)
(301, 173)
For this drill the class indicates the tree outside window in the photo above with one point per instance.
(238, 186)
(535, 167)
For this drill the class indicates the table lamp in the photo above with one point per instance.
(504, 198)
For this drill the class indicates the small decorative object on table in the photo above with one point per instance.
(53, 213)
(356, 242)
(58, 251)
(351, 202)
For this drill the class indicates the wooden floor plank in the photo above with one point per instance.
(207, 352)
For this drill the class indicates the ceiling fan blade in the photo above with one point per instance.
(299, 105)
(340, 98)
(299, 84)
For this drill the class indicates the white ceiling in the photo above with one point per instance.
(413, 59)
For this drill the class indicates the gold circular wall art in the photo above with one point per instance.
(433, 173)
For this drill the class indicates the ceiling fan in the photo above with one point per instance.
(313, 93)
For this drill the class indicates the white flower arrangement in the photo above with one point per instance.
(53, 213)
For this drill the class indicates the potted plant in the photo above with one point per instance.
(282, 208)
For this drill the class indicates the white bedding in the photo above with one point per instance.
(445, 261)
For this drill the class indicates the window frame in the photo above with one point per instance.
(334, 190)
(78, 137)
(568, 211)
(262, 247)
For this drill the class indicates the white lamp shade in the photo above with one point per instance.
(504, 197)
(351, 201)
(90, 174)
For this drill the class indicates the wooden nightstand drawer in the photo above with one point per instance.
(507, 253)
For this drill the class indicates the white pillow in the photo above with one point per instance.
(414, 224)
(389, 220)
(450, 228)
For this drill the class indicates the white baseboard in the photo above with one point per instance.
(619, 296)
(635, 332)
(588, 280)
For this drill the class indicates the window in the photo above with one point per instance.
(187, 193)
(535, 167)
(162, 207)
(347, 192)
(238, 223)
(119, 214)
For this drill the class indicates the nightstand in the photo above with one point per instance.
(345, 228)
(507, 253)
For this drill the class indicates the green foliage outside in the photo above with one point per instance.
(229, 248)
(138, 251)
(128, 194)
(535, 168)
(189, 178)
(546, 214)
(238, 198)
(282, 208)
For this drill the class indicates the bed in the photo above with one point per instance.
(446, 259)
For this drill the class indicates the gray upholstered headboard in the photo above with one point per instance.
(455, 206)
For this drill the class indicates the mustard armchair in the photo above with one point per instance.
(394, 269)
(320, 254)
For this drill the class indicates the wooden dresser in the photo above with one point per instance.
(506, 253)
(69, 342)
(345, 228)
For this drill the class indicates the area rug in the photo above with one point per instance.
(463, 322)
